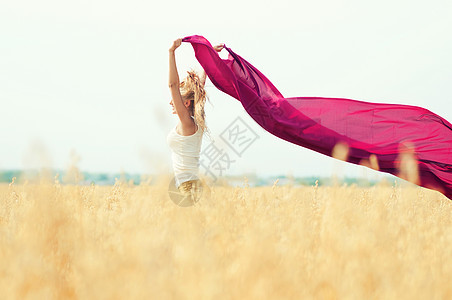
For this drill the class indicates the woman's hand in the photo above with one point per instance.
(219, 47)
(175, 45)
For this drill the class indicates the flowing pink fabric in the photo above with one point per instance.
(369, 130)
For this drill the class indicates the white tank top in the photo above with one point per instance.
(185, 154)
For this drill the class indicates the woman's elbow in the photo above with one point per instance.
(172, 85)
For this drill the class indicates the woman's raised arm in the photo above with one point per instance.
(174, 86)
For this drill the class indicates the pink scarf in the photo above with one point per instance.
(407, 141)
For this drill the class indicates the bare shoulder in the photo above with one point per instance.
(187, 128)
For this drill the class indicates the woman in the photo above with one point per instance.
(188, 99)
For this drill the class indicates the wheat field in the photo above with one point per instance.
(61, 241)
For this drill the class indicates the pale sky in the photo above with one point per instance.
(90, 77)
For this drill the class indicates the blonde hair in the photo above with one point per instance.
(193, 89)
